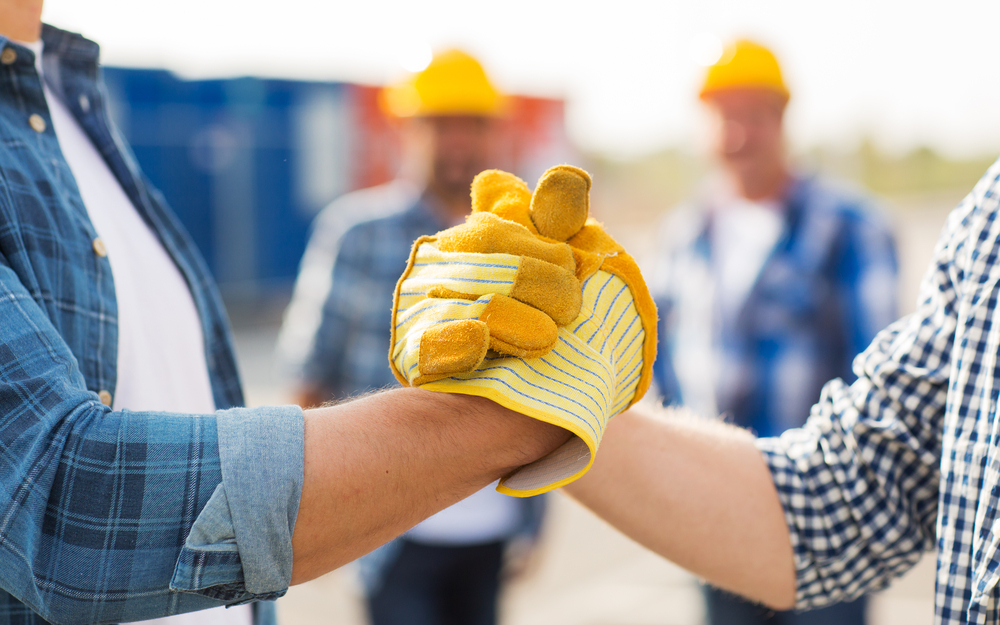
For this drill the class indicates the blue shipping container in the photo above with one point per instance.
(246, 163)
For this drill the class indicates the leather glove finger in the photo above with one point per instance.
(447, 336)
(548, 287)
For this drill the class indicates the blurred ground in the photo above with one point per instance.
(613, 581)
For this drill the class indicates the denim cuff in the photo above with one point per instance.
(240, 547)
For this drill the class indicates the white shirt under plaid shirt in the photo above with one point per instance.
(906, 459)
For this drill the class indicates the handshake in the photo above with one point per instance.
(533, 305)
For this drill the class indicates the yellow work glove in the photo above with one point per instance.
(532, 305)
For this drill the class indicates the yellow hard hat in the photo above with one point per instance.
(744, 64)
(453, 84)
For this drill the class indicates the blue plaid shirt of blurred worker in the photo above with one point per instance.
(810, 303)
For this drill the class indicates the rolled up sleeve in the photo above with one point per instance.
(114, 516)
(240, 546)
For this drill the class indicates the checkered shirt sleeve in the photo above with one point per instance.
(860, 480)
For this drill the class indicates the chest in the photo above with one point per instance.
(50, 244)
(792, 292)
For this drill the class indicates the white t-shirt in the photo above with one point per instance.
(484, 517)
(161, 348)
(744, 233)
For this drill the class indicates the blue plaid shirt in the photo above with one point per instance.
(115, 516)
(907, 459)
(827, 287)
(350, 349)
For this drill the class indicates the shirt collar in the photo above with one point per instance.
(36, 47)
(71, 47)
(790, 200)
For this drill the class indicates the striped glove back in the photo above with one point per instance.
(532, 305)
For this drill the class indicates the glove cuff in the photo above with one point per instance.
(623, 266)
(573, 387)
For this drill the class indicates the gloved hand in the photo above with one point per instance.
(532, 305)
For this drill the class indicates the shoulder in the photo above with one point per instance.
(376, 243)
(841, 202)
(985, 196)
(971, 224)
(359, 208)
(382, 199)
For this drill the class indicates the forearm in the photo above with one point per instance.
(698, 493)
(377, 466)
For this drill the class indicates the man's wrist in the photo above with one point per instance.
(376, 466)
(518, 439)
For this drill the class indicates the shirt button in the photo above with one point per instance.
(37, 122)
(84, 103)
(8, 56)
(99, 247)
(105, 397)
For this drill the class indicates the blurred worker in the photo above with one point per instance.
(768, 286)
(446, 569)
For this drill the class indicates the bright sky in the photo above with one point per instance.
(907, 73)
